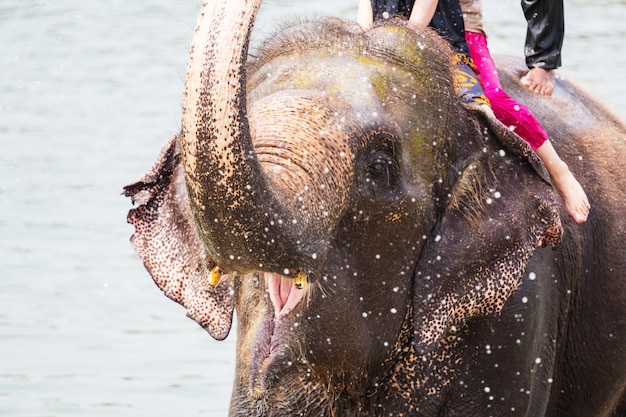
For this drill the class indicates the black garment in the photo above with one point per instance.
(546, 29)
(447, 21)
(392, 8)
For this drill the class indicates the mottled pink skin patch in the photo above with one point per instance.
(167, 242)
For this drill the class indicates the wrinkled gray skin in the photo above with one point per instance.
(440, 279)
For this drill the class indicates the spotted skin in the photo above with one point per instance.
(441, 277)
(167, 241)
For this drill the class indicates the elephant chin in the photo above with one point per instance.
(274, 331)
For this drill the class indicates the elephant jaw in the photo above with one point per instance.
(270, 340)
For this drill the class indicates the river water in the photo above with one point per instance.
(89, 92)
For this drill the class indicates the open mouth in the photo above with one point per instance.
(284, 293)
(270, 340)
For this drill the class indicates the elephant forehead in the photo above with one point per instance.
(358, 79)
(362, 87)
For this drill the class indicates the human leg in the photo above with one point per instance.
(520, 119)
(479, 51)
(513, 114)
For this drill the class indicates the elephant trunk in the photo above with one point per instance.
(244, 225)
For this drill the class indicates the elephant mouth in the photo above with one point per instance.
(271, 339)
(284, 293)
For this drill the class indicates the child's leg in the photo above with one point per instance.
(513, 114)
(519, 118)
(479, 51)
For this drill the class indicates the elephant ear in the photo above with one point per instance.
(167, 242)
(511, 141)
(498, 212)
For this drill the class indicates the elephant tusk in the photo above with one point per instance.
(215, 276)
(300, 281)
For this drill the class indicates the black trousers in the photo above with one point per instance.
(544, 37)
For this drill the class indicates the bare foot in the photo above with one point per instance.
(574, 196)
(539, 81)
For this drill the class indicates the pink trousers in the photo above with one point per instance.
(508, 111)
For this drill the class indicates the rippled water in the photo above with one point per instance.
(89, 92)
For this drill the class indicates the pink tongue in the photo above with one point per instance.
(283, 294)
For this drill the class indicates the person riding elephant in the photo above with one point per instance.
(448, 18)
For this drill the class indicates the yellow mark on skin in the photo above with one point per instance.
(300, 281)
(394, 217)
(216, 276)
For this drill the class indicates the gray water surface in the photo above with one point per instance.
(89, 93)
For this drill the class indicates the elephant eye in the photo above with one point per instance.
(379, 167)
(382, 170)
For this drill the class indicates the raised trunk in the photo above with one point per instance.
(243, 225)
(221, 170)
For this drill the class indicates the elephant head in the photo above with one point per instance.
(335, 192)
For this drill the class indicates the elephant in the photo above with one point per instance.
(388, 249)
